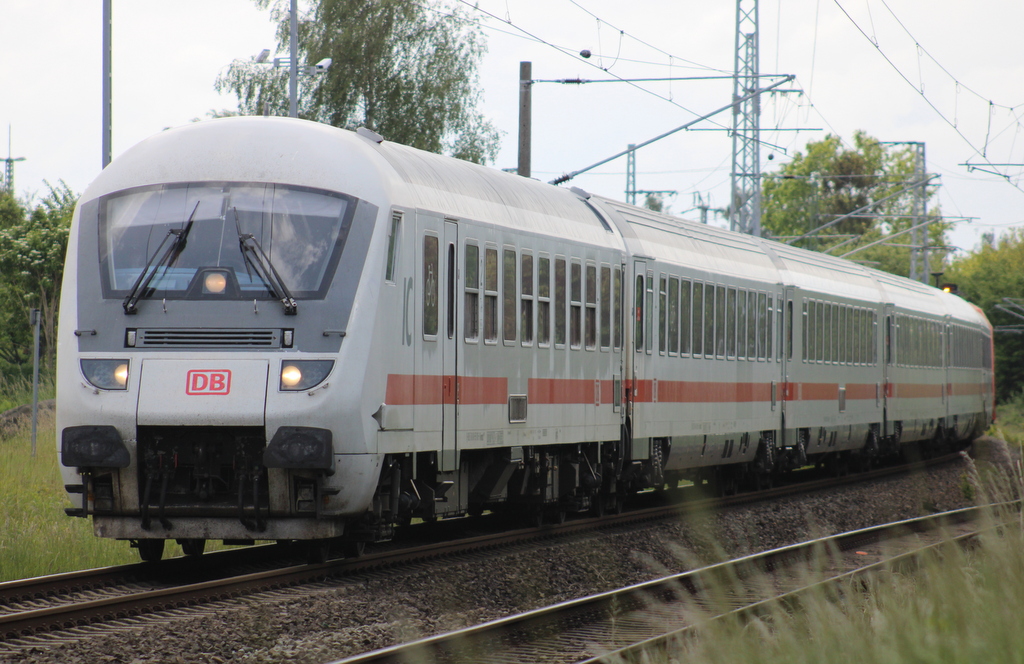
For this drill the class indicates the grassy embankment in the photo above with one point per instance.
(36, 537)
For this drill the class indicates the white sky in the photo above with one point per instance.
(963, 55)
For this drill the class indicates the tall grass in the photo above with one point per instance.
(1010, 420)
(36, 537)
(959, 607)
(17, 391)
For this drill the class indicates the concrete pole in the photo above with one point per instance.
(293, 76)
(922, 194)
(34, 319)
(105, 140)
(631, 175)
(525, 116)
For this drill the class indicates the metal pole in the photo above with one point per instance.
(105, 140)
(34, 319)
(631, 175)
(293, 76)
(922, 206)
(745, 208)
(525, 117)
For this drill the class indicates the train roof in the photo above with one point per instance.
(300, 152)
(697, 246)
(311, 154)
(470, 191)
(719, 251)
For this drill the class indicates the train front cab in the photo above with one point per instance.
(201, 397)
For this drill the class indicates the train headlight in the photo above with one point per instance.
(304, 374)
(215, 283)
(106, 374)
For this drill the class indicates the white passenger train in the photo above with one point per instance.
(273, 329)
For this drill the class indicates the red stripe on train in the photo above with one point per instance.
(414, 390)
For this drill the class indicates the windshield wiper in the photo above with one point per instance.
(256, 258)
(180, 236)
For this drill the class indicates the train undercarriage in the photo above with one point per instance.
(218, 473)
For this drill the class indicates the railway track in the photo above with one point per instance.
(32, 607)
(618, 625)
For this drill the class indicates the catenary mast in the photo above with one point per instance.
(745, 204)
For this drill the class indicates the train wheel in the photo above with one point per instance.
(151, 550)
(353, 549)
(872, 449)
(318, 551)
(617, 504)
(192, 547)
(532, 516)
(838, 465)
(597, 504)
(763, 481)
(556, 515)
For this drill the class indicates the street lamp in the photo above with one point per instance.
(295, 70)
(292, 62)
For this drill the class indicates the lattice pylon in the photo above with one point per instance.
(745, 204)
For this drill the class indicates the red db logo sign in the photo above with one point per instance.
(208, 381)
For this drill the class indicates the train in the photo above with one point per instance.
(275, 329)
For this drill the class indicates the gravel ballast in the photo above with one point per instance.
(346, 617)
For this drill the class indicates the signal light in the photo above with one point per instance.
(949, 288)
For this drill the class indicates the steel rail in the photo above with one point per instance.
(792, 597)
(496, 641)
(22, 623)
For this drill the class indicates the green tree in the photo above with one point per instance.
(985, 277)
(14, 333)
(830, 181)
(11, 212)
(403, 69)
(655, 202)
(32, 248)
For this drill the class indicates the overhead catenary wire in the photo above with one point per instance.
(573, 54)
(924, 97)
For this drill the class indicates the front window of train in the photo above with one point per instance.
(300, 230)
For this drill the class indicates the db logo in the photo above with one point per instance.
(207, 381)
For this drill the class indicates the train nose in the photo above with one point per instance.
(202, 392)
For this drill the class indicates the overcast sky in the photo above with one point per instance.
(947, 73)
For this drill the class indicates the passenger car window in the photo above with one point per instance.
(543, 301)
(576, 305)
(526, 298)
(472, 290)
(491, 294)
(509, 287)
(430, 285)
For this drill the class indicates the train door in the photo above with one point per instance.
(449, 347)
(887, 361)
(644, 392)
(947, 373)
(781, 392)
